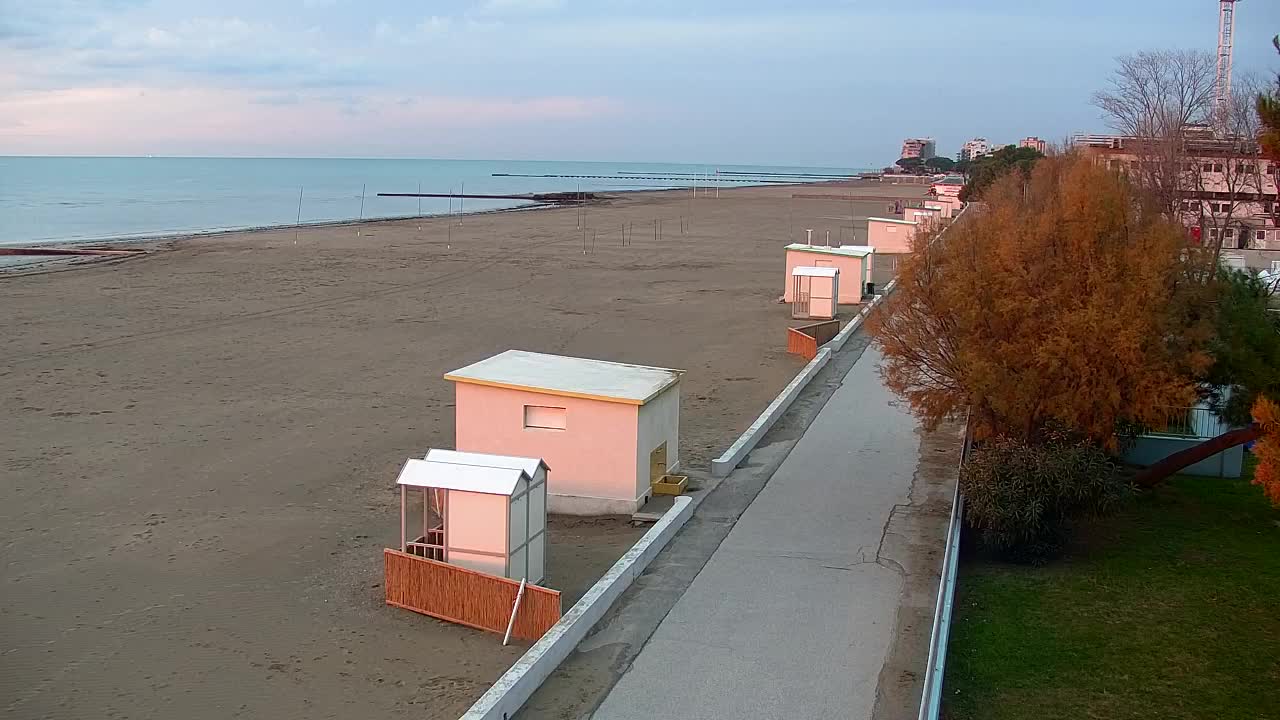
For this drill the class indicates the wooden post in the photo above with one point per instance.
(299, 221)
(403, 501)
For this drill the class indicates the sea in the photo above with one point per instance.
(94, 199)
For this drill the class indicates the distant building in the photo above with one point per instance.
(1232, 193)
(923, 148)
(973, 149)
(1034, 143)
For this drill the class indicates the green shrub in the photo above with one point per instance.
(1022, 499)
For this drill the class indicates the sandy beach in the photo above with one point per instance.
(200, 445)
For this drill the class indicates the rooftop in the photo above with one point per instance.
(857, 251)
(457, 457)
(894, 220)
(468, 478)
(815, 271)
(569, 377)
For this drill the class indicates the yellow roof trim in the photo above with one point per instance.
(561, 393)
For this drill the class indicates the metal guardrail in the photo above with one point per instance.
(935, 671)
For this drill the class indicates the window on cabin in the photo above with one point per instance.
(544, 417)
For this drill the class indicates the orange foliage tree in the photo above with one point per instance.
(1064, 299)
(1266, 416)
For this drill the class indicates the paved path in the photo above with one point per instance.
(794, 615)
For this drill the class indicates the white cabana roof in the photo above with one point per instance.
(569, 377)
(467, 478)
(857, 251)
(894, 220)
(457, 457)
(815, 271)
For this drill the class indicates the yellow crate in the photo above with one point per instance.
(670, 485)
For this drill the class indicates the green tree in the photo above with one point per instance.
(1246, 349)
(910, 163)
(987, 169)
(940, 163)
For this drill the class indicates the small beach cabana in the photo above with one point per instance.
(481, 512)
(609, 429)
(814, 292)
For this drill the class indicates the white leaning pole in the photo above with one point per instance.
(515, 608)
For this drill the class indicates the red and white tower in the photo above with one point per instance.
(1222, 88)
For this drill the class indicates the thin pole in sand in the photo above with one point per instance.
(451, 205)
(462, 197)
(717, 183)
(362, 191)
(419, 200)
(299, 221)
(577, 218)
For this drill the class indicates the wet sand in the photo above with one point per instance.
(199, 446)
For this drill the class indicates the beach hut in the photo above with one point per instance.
(814, 292)
(946, 206)
(924, 217)
(481, 512)
(889, 235)
(609, 429)
(853, 262)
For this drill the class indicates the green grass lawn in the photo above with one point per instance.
(1168, 609)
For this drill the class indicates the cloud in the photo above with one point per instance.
(276, 99)
(518, 7)
(425, 29)
(222, 50)
(208, 121)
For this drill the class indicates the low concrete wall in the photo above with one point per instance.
(1150, 449)
(723, 465)
(513, 689)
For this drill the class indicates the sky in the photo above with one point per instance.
(802, 82)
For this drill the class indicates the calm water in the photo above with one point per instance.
(46, 199)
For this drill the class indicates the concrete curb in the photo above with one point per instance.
(519, 682)
(723, 465)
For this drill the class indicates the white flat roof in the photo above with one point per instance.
(569, 377)
(815, 271)
(451, 476)
(457, 457)
(894, 220)
(843, 250)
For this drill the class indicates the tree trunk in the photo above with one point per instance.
(1159, 472)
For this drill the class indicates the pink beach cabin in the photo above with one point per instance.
(482, 512)
(853, 262)
(609, 429)
(814, 291)
(923, 217)
(890, 236)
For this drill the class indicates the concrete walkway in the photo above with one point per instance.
(794, 615)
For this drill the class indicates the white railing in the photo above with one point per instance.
(1190, 422)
